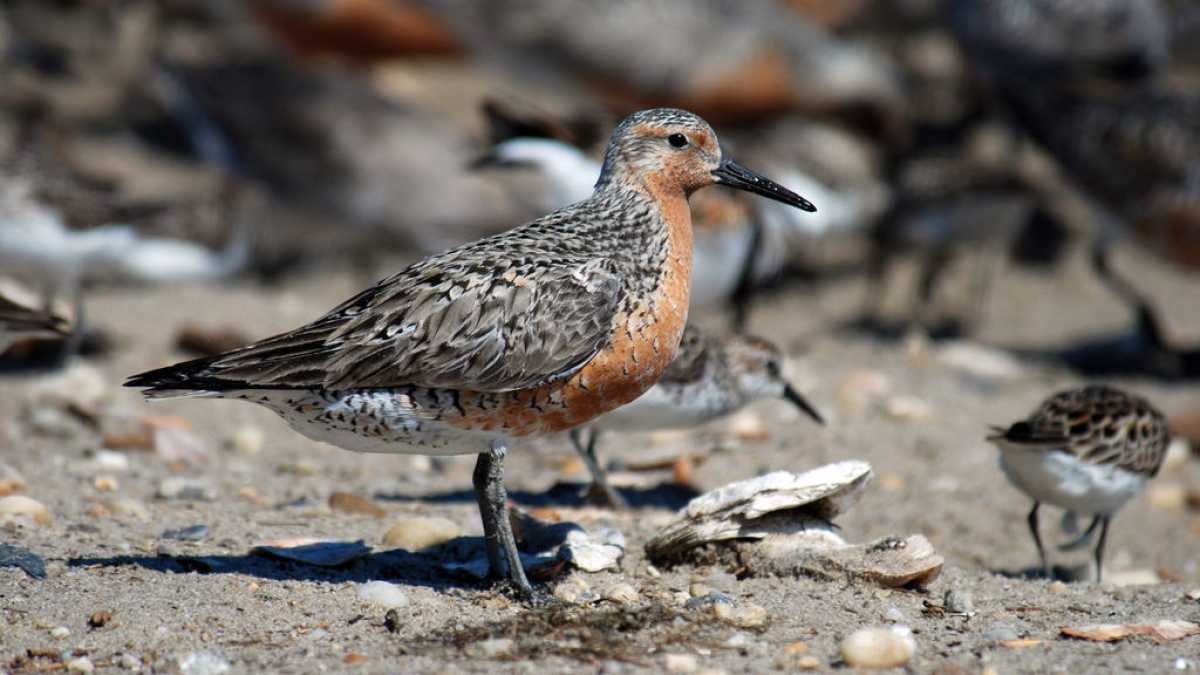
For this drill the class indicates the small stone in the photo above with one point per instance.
(747, 425)
(247, 440)
(697, 590)
(25, 511)
(191, 533)
(109, 460)
(60, 632)
(495, 647)
(10, 480)
(383, 593)
(23, 559)
(1056, 587)
(419, 532)
(1193, 594)
(391, 621)
(681, 663)
(190, 489)
(958, 602)
(739, 640)
(652, 572)
(129, 662)
(999, 632)
(350, 503)
(106, 484)
(722, 611)
(80, 665)
(97, 510)
(808, 663)
(879, 647)
(749, 616)
(893, 614)
(354, 659)
(795, 648)
(99, 619)
(203, 663)
(621, 593)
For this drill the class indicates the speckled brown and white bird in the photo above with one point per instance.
(711, 377)
(1087, 450)
(533, 331)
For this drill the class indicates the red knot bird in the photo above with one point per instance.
(1086, 450)
(710, 377)
(533, 331)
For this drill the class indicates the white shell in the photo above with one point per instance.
(769, 504)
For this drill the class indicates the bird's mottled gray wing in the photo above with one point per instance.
(473, 322)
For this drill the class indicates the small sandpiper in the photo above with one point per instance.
(533, 331)
(1086, 450)
(22, 317)
(710, 377)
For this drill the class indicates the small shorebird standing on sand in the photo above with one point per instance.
(710, 377)
(533, 331)
(1087, 450)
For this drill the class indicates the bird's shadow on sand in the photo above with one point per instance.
(398, 566)
(1059, 572)
(670, 496)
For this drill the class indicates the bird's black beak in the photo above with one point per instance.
(794, 396)
(737, 176)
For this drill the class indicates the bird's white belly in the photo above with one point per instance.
(374, 420)
(1060, 479)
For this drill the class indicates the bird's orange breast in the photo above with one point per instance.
(643, 344)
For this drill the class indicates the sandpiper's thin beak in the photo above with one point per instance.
(737, 176)
(794, 396)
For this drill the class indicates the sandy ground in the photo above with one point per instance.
(935, 476)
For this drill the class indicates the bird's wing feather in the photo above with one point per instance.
(465, 320)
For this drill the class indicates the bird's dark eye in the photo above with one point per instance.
(774, 369)
(677, 140)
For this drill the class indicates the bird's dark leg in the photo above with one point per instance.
(743, 294)
(493, 510)
(600, 484)
(1104, 520)
(1081, 539)
(1037, 540)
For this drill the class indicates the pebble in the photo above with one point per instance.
(711, 597)
(1000, 632)
(697, 590)
(80, 665)
(191, 533)
(958, 602)
(204, 663)
(247, 440)
(1170, 496)
(60, 632)
(109, 460)
(740, 641)
(129, 662)
(749, 616)
(808, 663)
(893, 614)
(681, 663)
(106, 484)
(30, 562)
(1056, 587)
(419, 532)
(193, 489)
(495, 647)
(383, 593)
(621, 593)
(22, 510)
(879, 647)
(351, 503)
